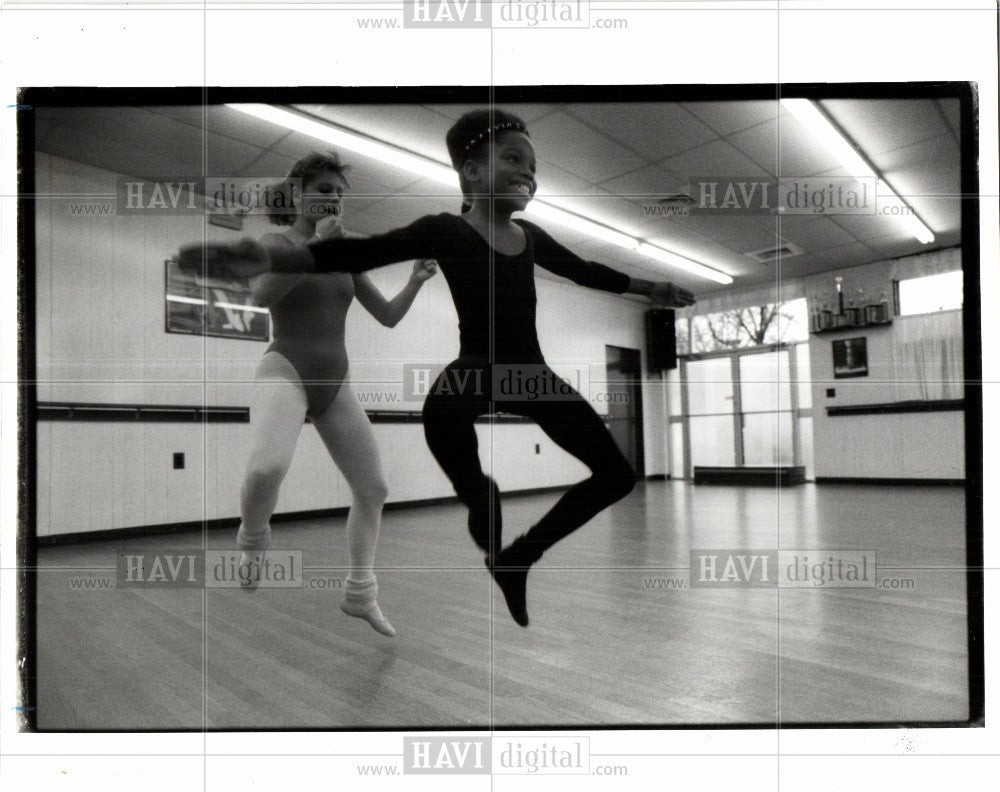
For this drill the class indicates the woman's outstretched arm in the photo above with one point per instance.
(389, 312)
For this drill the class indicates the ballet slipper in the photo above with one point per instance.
(252, 557)
(360, 601)
(510, 570)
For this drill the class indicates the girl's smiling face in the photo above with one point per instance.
(511, 164)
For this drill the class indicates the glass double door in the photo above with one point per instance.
(742, 408)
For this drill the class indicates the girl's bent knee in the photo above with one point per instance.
(374, 493)
(262, 479)
(619, 482)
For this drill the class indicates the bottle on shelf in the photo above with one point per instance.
(851, 314)
(825, 317)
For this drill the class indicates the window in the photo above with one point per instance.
(744, 327)
(930, 293)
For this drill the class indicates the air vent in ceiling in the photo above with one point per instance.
(768, 255)
(676, 199)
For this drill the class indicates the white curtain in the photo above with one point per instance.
(927, 356)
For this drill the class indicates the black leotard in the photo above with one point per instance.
(494, 296)
(491, 290)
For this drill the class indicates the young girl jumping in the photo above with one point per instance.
(303, 373)
(488, 259)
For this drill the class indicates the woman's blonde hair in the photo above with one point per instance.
(281, 209)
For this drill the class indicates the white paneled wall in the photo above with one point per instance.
(903, 445)
(100, 339)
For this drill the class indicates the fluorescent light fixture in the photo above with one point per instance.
(833, 140)
(322, 130)
(829, 136)
(187, 300)
(887, 198)
(444, 174)
(546, 211)
(688, 265)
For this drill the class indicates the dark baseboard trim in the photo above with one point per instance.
(914, 482)
(936, 405)
(140, 413)
(233, 522)
(184, 413)
(750, 475)
(657, 477)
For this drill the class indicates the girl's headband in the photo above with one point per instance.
(502, 126)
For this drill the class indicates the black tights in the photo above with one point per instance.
(451, 408)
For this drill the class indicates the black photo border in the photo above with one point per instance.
(27, 405)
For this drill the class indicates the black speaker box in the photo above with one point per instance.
(661, 340)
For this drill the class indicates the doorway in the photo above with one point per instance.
(747, 408)
(624, 399)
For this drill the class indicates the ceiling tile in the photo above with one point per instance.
(878, 125)
(266, 162)
(530, 113)
(578, 149)
(716, 159)
(225, 156)
(739, 233)
(873, 229)
(647, 184)
(232, 123)
(411, 127)
(654, 131)
(926, 176)
(298, 145)
(952, 109)
(783, 147)
(813, 233)
(729, 117)
(554, 182)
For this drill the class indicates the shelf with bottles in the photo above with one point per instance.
(844, 313)
(848, 328)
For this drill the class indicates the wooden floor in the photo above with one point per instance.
(607, 645)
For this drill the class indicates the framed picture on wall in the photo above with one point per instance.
(850, 357)
(212, 307)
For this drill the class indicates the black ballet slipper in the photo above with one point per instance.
(510, 570)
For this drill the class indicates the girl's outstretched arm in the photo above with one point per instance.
(552, 256)
(269, 287)
(248, 258)
(562, 261)
(415, 241)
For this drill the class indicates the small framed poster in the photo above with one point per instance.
(213, 307)
(850, 357)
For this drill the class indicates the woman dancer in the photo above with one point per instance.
(303, 373)
(488, 260)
